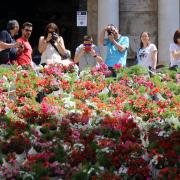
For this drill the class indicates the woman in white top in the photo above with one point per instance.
(51, 46)
(175, 50)
(147, 53)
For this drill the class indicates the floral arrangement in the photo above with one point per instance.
(62, 124)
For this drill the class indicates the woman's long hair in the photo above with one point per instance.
(51, 26)
(176, 36)
(141, 43)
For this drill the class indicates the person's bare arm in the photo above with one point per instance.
(78, 55)
(121, 48)
(98, 58)
(60, 45)
(175, 54)
(4, 45)
(101, 37)
(42, 44)
(154, 58)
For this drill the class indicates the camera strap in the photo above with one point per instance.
(55, 47)
(62, 56)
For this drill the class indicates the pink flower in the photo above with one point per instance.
(117, 66)
(44, 107)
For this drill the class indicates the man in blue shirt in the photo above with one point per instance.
(117, 46)
(7, 36)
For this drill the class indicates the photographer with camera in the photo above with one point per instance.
(117, 46)
(52, 48)
(87, 54)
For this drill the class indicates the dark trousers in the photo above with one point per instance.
(113, 72)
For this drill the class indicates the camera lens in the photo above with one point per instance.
(54, 36)
(109, 32)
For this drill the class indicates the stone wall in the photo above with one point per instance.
(92, 6)
(135, 17)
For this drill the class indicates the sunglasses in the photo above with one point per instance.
(51, 31)
(28, 30)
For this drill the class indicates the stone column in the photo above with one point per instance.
(108, 13)
(168, 22)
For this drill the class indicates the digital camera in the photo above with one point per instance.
(54, 36)
(109, 30)
(87, 45)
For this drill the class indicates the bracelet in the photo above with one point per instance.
(95, 56)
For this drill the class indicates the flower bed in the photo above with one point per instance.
(61, 125)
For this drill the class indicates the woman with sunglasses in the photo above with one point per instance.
(52, 48)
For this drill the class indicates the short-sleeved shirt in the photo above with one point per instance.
(87, 60)
(144, 55)
(173, 61)
(24, 57)
(6, 37)
(114, 56)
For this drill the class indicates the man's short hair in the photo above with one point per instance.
(88, 38)
(12, 24)
(27, 24)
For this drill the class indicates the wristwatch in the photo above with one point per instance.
(95, 56)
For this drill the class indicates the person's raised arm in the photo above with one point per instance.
(79, 53)
(42, 44)
(101, 37)
(96, 55)
(61, 46)
(120, 47)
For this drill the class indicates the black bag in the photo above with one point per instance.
(4, 56)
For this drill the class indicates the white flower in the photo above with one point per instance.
(123, 170)
(79, 147)
(7, 109)
(68, 103)
(5, 78)
(162, 133)
(105, 91)
(32, 151)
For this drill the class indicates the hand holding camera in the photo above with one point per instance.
(108, 29)
(87, 45)
(54, 36)
(93, 53)
(110, 33)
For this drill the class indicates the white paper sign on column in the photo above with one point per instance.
(81, 18)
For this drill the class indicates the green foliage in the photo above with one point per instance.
(131, 71)
(80, 176)
(174, 87)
